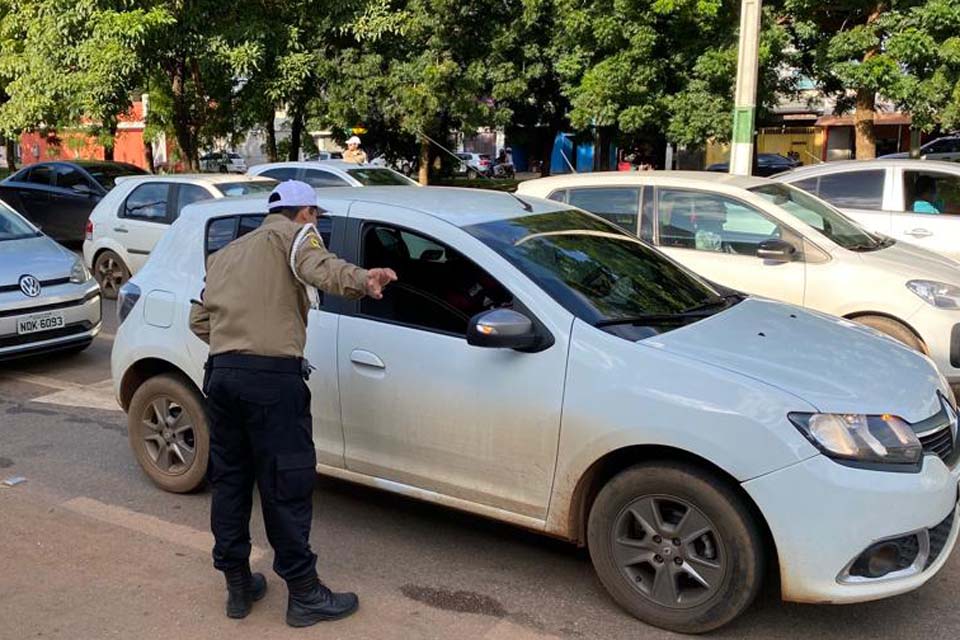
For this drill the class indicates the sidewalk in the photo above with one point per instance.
(84, 570)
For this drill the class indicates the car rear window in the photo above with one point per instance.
(106, 174)
(223, 231)
(379, 177)
(246, 188)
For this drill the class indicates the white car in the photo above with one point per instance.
(223, 162)
(474, 165)
(538, 366)
(124, 227)
(766, 238)
(916, 201)
(944, 148)
(333, 173)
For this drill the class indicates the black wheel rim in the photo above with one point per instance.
(669, 551)
(168, 436)
(109, 274)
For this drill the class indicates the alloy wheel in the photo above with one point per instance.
(168, 436)
(669, 551)
(110, 275)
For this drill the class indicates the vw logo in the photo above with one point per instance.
(30, 286)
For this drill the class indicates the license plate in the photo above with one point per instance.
(40, 322)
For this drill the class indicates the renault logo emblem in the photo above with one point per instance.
(30, 286)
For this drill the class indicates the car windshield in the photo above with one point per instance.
(106, 174)
(378, 177)
(13, 227)
(245, 188)
(825, 219)
(599, 273)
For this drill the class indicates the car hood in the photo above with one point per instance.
(836, 365)
(913, 262)
(39, 257)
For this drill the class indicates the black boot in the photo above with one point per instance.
(312, 602)
(243, 589)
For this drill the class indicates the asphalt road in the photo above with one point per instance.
(90, 549)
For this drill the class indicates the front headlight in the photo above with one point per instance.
(878, 439)
(79, 273)
(939, 294)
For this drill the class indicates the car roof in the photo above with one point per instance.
(878, 163)
(458, 206)
(342, 165)
(194, 178)
(645, 177)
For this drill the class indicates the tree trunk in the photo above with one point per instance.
(182, 122)
(546, 151)
(148, 155)
(866, 146)
(296, 134)
(109, 144)
(271, 133)
(11, 149)
(424, 176)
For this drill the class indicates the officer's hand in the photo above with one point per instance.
(377, 279)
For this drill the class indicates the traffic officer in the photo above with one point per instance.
(354, 153)
(253, 314)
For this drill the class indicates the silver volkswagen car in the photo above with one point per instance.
(48, 300)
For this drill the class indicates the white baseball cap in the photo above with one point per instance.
(292, 193)
(353, 140)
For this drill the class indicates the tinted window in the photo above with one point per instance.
(148, 202)
(41, 174)
(379, 177)
(711, 222)
(809, 185)
(281, 174)
(68, 177)
(931, 192)
(438, 288)
(596, 272)
(558, 196)
(617, 204)
(236, 189)
(222, 231)
(320, 179)
(188, 194)
(107, 174)
(943, 146)
(853, 189)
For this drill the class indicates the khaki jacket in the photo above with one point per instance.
(254, 304)
(359, 156)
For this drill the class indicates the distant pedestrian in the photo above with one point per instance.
(354, 153)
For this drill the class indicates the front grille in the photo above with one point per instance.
(938, 538)
(50, 307)
(63, 332)
(43, 283)
(939, 443)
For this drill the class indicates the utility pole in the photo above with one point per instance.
(744, 111)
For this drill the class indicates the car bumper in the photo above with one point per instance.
(82, 315)
(940, 331)
(823, 515)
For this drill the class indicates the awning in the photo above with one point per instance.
(879, 119)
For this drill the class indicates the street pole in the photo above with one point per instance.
(741, 150)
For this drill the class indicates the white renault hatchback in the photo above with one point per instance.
(770, 239)
(537, 365)
(131, 219)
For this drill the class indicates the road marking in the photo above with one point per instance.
(98, 395)
(149, 525)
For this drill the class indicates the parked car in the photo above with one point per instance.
(547, 369)
(332, 173)
(944, 148)
(898, 198)
(128, 223)
(770, 239)
(58, 196)
(48, 300)
(223, 162)
(474, 165)
(768, 164)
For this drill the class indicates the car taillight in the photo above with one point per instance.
(89, 229)
(126, 300)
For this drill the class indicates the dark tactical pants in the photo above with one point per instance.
(261, 430)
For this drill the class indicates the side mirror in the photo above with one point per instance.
(776, 250)
(502, 329)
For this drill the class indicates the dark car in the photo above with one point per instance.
(59, 196)
(768, 164)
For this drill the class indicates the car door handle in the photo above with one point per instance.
(121, 230)
(366, 359)
(919, 233)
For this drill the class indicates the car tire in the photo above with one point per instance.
(655, 527)
(111, 273)
(894, 329)
(168, 432)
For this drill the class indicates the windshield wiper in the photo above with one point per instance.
(701, 310)
(710, 303)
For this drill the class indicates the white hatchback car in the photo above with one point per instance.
(765, 238)
(537, 365)
(917, 201)
(333, 173)
(124, 227)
